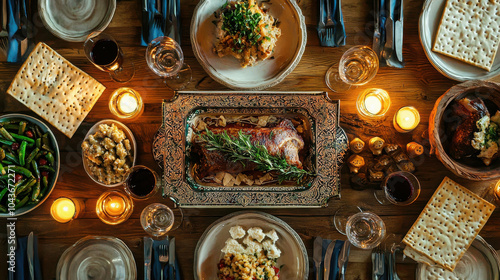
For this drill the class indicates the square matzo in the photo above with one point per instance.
(470, 31)
(448, 224)
(55, 89)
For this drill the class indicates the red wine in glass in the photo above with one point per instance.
(106, 55)
(399, 188)
(141, 182)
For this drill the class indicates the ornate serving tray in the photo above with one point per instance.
(328, 145)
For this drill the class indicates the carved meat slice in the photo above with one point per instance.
(470, 110)
(280, 140)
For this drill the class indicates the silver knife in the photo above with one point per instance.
(318, 256)
(389, 33)
(343, 258)
(398, 31)
(30, 255)
(328, 259)
(171, 259)
(148, 249)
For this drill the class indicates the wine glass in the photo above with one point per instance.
(165, 58)
(158, 219)
(399, 188)
(103, 51)
(357, 67)
(342, 215)
(365, 230)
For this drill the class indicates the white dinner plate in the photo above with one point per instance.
(455, 69)
(293, 261)
(227, 70)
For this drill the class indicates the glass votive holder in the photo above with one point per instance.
(406, 119)
(373, 103)
(126, 103)
(141, 182)
(114, 207)
(65, 209)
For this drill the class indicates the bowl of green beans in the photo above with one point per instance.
(29, 164)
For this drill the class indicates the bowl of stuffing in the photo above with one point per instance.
(108, 152)
(247, 44)
(464, 130)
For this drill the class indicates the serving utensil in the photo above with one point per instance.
(318, 256)
(328, 259)
(30, 255)
(163, 258)
(343, 258)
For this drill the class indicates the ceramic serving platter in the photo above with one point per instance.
(430, 18)
(227, 70)
(327, 146)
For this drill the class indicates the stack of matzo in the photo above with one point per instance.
(55, 89)
(447, 226)
(470, 31)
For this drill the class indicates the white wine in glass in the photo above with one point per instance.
(365, 230)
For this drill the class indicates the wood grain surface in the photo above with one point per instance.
(418, 84)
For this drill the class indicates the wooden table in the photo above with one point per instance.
(418, 84)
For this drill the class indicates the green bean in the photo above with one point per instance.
(32, 156)
(10, 157)
(22, 127)
(22, 170)
(11, 121)
(22, 153)
(47, 168)
(50, 158)
(28, 184)
(6, 134)
(12, 127)
(3, 192)
(34, 166)
(3, 209)
(20, 182)
(47, 148)
(45, 184)
(23, 138)
(6, 142)
(22, 202)
(7, 162)
(38, 131)
(40, 154)
(38, 143)
(2, 170)
(35, 192)
(2, 154)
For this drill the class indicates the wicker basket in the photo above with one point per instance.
(468, 168)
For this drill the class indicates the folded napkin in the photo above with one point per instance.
(22, 266)
(160, 18)
(13, 16)
(155, 263)
(334, 269)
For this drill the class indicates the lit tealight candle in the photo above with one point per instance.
(127, 103)
(63, 210)
(406, 119)
(497, 190)
(373, 103)
(114, 205)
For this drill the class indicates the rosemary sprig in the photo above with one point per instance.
(241, 149)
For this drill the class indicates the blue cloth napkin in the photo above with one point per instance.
(22, 267)
(334, 269)
(156, 266)
(13, 12)
(150, 30)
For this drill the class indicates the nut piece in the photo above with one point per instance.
(414, 149)
(357, 145)
(355, 163)
(376, 144)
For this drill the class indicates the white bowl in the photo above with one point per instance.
(45, 129)
(129, 135)
(267, 73)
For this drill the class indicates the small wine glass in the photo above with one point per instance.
(158, 219)
(165, 58)
(103, 51)
(365, 230)
(342, 215)
(399, 188)
(357, 67)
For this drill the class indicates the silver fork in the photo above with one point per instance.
(163, 258)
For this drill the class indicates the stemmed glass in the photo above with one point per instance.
(165, 58)
(364, 229)
(357, 67)
(103, 51)
(158, 219)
